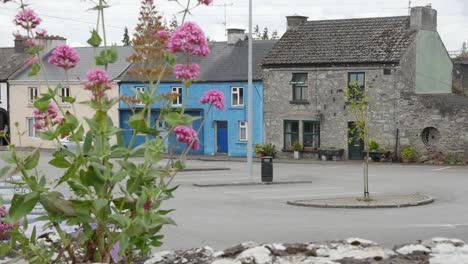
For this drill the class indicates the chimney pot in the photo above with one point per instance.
(20, 45)
(294, 22)
(423, 18)
(234, 35)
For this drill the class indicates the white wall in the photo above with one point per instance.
(3, 96)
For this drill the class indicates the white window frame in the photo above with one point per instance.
(243, 125)
(178, 100)
(32, 132)
(140, 89)
(65, 92)
(32, 94)
(236, 102)
(161, 125)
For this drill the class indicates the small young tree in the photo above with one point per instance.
(358, 104)
(265, 34)
(126, 38)
(256, 32)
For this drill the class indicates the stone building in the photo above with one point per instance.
(400, 61)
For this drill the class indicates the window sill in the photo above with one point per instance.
(299, 102)
(236, 107)
(302, 151)
(241, 142)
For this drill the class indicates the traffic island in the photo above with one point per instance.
(377, 201)
(250, 183)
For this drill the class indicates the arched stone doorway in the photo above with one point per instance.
(4, 125)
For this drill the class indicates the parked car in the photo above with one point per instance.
(68, 144)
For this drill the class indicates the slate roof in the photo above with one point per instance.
(86, 61)
(225, 62)
(344, 41)
(10, 62)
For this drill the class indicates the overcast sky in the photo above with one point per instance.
(70, 18)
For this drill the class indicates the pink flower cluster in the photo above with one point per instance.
(43, 119)
(214, 97)
(189, 38)
(65, 57)
(98, 81)
(205, 2)
(27, 19)
(41, 32)
(187, 135)
(3, 212)
(186, 71)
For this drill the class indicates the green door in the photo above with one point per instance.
(355, 145)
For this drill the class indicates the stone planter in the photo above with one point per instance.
(259, 155)
(331, 154)
(297, 155)
(378, 155)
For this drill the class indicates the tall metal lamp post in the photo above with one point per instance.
(249, 102)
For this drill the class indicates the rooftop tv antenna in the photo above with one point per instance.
(225, 5)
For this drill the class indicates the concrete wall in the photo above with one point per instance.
(230, 114)
(20, 109)
(433, 64)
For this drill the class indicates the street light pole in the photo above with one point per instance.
(249, 102)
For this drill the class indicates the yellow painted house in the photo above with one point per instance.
(25, 89)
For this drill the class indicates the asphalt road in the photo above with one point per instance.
(225, 216)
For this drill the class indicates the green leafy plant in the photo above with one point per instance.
(114, 206)
(269, 150)
(374, 146)
(408, 153)
(258, 148)
(297, 146)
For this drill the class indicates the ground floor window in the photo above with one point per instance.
(310, 131)
(311, 134)
(242, 130)
(291, 133)
(30, 121)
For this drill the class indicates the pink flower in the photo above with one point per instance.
(65, 57)
(41, 32)
(3, 212)
(17, 35)
(214, 97)
(205, 2)
(31, 42)
(189, 38)
(32, 60)
(5, 231)
(98, 81)
(187, 71)
(187, 135)
(162, 34)
(147, 205)
(43, 119)
(27, 19)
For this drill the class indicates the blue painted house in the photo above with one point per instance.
(225, 69)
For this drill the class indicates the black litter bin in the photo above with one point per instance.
(267, 169)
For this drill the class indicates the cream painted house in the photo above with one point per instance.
(24, 90)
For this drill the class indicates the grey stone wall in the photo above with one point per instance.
(392, 103)
(325, 97)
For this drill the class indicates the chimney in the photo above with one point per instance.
(234, 35)
(50, 42)
(423, 18)
(294, 22)
(20, 45)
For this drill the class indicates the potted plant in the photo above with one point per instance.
(376, 153)
(297, 148)
(269, 150)
(408, 154)
(258, 148)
